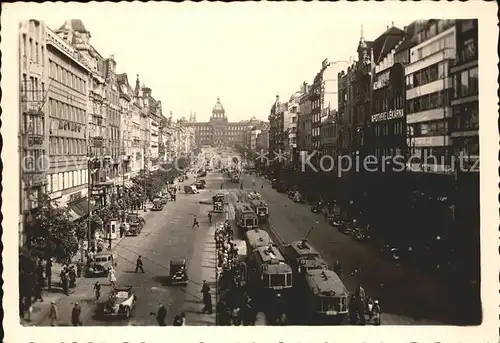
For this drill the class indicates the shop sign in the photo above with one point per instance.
(389, 115)
(382, 81)
(75, 196)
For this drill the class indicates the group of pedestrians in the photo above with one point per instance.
(235, 306)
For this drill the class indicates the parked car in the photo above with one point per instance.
(101, 264)
(199, 185)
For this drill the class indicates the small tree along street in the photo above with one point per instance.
(52, 233)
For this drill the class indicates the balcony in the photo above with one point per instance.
(32, 108)
(36, 178)
(33, 141)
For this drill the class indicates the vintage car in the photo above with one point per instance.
(101, 264)
(120, 302)
(157, 205)
(178, 272)
(199, 184)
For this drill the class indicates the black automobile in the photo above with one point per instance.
(199, 184)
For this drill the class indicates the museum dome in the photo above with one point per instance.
(218, 110)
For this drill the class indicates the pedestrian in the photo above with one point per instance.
(210, 217)
(48, 273)
(195, 223)
(183, 319)
(65, 283)
(53, 314)
(72, 277)
(207, 298)
(97, 290)
(138, 264)
(38, 291)
(161, 315)
(112, 277)
(75, 315)
(262, 187)
(79, 268)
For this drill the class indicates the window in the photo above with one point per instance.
(468, 50)
(42, 55)
(464, 83)
(32, 53)
(473, 81)
(25, 45)
(467, 25)
(37, 56)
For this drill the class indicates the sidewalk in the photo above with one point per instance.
(83, 293)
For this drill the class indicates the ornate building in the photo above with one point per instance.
(218, 131)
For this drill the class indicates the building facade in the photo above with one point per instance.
(33, 118)
(218, 131)
(428, 97)
(67, 104)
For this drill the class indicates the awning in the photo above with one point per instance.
(73, 215)
(80, 207)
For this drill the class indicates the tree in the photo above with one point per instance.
(51, 232)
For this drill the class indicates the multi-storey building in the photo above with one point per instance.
(67, 102)
(218, 130)
(304, 134)
(329, 135)
(128, 129)
(291, 119)
(33, 119)
(428, 96)
(465, 127)
(465, 102)
(113, 142)
(74, 32)
(277, 132)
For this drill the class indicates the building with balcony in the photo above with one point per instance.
(74, 33)
(114, 144)
(428, 97)
(67, 101)
(304, 127)
(33, 118)
(129, 126)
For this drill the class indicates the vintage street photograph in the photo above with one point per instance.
(223, 165)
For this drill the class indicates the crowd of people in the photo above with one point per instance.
(234, 305)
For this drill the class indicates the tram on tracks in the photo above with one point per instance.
(322, 295)
(245, 216)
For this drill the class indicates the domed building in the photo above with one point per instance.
(218, 131)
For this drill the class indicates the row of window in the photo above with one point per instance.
(428, 129)
(391, 128)
(227, 128)
(428, 101)
(67, 146)
(32, 50)
(58, 109)
(328, 131)
(66, 77)
(426, 75)
(466, 83)
(442, 44)
(65, 180)
(33, 89)
(466, 117)
(384, 102)
(315, 131)
(468, 51)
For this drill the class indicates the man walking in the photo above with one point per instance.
(195, 223)
(75, 315)
(207, 298)
(138, 264)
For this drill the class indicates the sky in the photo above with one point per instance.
(246, 54)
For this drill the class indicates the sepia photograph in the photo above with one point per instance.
(249, 165)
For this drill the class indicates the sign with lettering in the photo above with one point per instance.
(381, 81)
(389, 115)
(75, 196)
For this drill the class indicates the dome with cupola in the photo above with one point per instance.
(218, 111)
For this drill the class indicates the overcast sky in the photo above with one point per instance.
(246, 54)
